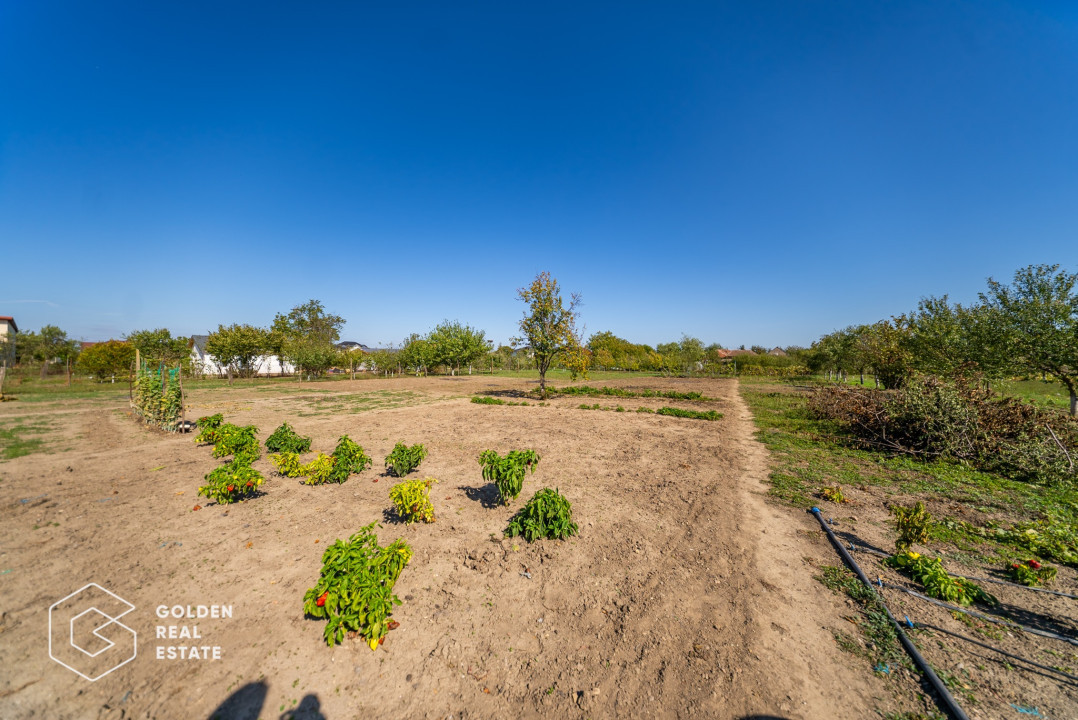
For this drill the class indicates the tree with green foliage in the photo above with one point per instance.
(455, 345)
(158, 346)
(239, 348)
(883, 346)
(306, 336)
(548, 326)
(611, 352)
(107, 359)
(416, 354)
(1037, 316)
(948, 340)
(52, 345)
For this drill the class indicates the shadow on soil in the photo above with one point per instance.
(507, 394)
(246, 704)
(487, 495)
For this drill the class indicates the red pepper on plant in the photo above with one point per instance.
(321, 601)
(1034, 564)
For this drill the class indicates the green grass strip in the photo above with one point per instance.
(691, 414)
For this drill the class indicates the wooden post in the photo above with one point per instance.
(3, 371)
(69, 372)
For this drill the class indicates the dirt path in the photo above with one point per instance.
(685, 595)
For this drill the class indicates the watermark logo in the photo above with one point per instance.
(86, 635)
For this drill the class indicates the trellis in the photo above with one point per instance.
(157, 396)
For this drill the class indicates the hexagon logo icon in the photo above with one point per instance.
(86, 635)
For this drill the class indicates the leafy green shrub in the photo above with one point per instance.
(412, 500)
(507, 473)
(488, 401)
(355, 588)
(937, 582)
(285, 439)
(208, 428)
(644, 410)
(547, 514)
(912, 523)
(231, 482)
(287, 464)
(348, 458)
(240, 442)
(320, 470)
(405, 459)
(691, 414)
(1031, 573)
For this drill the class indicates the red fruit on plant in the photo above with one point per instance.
(230, 487)
(393, 624)
(1034, 564)
(321, 601)
(1015, 565)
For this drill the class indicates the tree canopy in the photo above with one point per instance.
(548, 326)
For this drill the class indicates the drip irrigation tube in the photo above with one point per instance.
(880, 553)
(948, 702)
(1001, 652)
(982, 616)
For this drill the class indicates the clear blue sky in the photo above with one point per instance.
(750, 172)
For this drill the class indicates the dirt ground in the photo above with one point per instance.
(685, 594)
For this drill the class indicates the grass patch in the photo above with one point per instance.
(14, 440)
(623, 393)
(481, 400)
(882, 646)
(690, 414)
(352, 403)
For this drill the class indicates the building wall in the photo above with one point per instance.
(270, 365)
(9, 335)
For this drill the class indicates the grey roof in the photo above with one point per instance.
(351, 345)
(199, 342)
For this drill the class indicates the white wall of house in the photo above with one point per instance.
(7, 334)
(266, 364)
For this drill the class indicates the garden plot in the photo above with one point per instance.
(683, 593)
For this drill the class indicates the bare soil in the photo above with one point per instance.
(686, 594)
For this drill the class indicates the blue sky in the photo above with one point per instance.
(753, 172)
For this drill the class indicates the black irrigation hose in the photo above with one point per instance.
(1019, 585)
(948, 701)
(1001, 652)
(981, 616)
(880, 553)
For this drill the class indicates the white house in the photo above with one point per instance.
(8, 331)
(205, 364)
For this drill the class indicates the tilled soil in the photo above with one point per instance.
(684, 595)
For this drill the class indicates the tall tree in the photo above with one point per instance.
(548, 326)
(53, 345)
(306, 337)
(455, 345)
(240, 348)
(108, 359)
(158, 346)
(1038, 316)
(416, 353)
